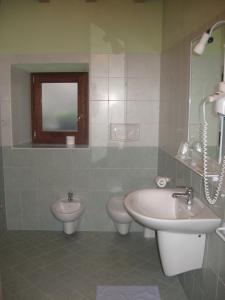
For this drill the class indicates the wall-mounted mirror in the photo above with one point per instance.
(207, 70)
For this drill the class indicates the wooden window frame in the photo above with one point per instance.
(58, 137)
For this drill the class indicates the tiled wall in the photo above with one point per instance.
(207, 283)
(35, 178)
(123, 88)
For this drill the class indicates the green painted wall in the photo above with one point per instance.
(108, 26)
(181, 17)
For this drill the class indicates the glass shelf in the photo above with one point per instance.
(197, 167)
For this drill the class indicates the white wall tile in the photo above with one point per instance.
(116, 111)
(149, 135)
(117, 89)
(144, 112)
(99, 89)
(117, 65)
(99, 134)
(141, 89)
(99, 112)
(99, 65)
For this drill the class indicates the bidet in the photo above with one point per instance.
(68, 211)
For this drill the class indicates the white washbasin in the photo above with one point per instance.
(157, 209)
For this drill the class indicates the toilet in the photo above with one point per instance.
(68, 211)
(118, 214)
(122, 220)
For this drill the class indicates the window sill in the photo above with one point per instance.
(48, 146)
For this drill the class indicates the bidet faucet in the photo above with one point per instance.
(70, 197)
(188, 192)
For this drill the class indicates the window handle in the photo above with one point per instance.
(79, 118)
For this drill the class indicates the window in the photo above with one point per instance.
(59, 107)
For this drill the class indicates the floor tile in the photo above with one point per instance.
(44, 265)
(32, 293)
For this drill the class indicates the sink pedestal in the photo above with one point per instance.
(180, 252)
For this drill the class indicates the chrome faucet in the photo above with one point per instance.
(188, 192)
(70, 197)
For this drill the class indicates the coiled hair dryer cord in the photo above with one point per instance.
(210, 198)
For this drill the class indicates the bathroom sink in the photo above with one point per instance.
(157, 209)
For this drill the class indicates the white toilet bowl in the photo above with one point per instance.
(68, 212)
(118, 214)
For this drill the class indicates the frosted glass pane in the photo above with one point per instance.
(59, 106)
